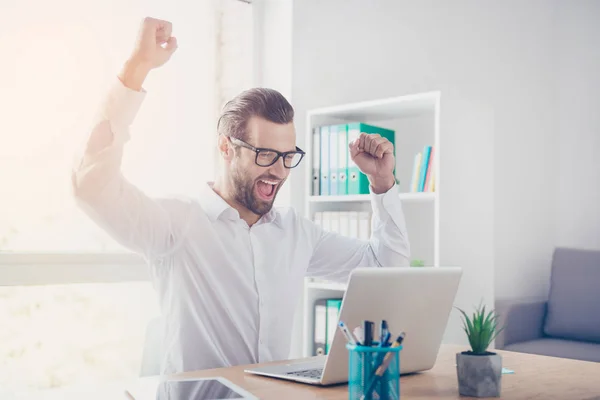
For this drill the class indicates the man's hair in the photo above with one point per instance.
(257, 102)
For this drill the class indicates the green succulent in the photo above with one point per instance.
(417, 263)
(481, 329)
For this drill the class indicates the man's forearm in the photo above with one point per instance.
(134, 73)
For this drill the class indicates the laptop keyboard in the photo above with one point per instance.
(309, 373)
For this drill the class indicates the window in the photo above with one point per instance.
(59, 335)
(64, 55)
(80, 315)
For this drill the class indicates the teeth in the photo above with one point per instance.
(269, 182)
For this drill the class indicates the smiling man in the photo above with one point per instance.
(228, 267)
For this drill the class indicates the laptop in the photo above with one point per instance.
(416, 300)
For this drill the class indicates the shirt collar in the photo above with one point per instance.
(215, 206)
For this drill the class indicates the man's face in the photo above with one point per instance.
(256, 187)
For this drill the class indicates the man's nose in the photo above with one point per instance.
(278, 169)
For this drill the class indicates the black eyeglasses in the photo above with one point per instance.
(267, 157)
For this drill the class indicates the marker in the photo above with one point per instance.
(368, 332)
(347, 333)
(382, 333)
(381, 369)
(358, 333)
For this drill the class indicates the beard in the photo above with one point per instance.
(245, 195)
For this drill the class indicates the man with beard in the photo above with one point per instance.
(228, 267)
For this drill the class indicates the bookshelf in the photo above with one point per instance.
(423, 196)
(415, 120)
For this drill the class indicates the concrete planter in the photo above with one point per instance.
(479, 375)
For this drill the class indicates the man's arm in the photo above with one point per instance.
(334, 256)
(133, 219)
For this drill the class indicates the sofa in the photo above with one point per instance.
(567, 323)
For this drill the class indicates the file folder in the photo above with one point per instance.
(316, 161)
(334, 222)
(364, 225)
(414, 184)
(430, 170)
(344, 223)
(333, 160)
(353, 224)
(320, 327)
(326, 220)
(358, 183)
(324, 150)
(343, 156)
(318, 218)
(333, 309)
(424, 166)
(353, 171)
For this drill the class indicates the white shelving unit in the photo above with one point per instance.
(366, 198)
(415, 120)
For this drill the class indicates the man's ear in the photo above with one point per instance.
(225, 148)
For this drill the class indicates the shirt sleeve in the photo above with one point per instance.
(335, 256)
(142, 224)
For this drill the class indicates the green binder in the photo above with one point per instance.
(358, 183)
(333, 307)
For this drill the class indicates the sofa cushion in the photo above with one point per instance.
(574, 300)
(585, 351)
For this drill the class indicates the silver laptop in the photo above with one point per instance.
(416, 300)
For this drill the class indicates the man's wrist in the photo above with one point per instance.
(381, 185)
(134, 73)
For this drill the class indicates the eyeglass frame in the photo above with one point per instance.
(280, 154)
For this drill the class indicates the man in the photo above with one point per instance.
(229, 268)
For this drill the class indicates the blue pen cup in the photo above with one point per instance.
(363, 362)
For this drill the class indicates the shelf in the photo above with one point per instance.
(382, 109)
(326, 285)
(420, 196)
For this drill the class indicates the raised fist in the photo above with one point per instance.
(154, 45)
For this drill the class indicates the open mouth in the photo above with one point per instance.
(266, 188)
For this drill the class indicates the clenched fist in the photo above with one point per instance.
(374, 156)
(154, 47)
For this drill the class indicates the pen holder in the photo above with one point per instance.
(363, 362)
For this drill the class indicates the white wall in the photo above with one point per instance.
(273, 59)
(273, 69)
(578, 121)
(494, 63)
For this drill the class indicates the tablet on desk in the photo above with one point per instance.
(187, 389)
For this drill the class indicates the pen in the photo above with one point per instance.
(346, 333)
(383, 332)
(383, 395)
(381, 369)
(368, 361)
(128, 395)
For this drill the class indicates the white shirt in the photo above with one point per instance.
(227, 291)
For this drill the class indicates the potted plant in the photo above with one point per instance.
(479, 371)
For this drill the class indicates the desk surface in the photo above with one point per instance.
(535, 377)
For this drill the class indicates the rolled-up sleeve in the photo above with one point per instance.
(335, 256)
(145, 225)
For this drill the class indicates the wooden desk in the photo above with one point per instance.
(535, 377)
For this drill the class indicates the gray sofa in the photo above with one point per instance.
(567, 323)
